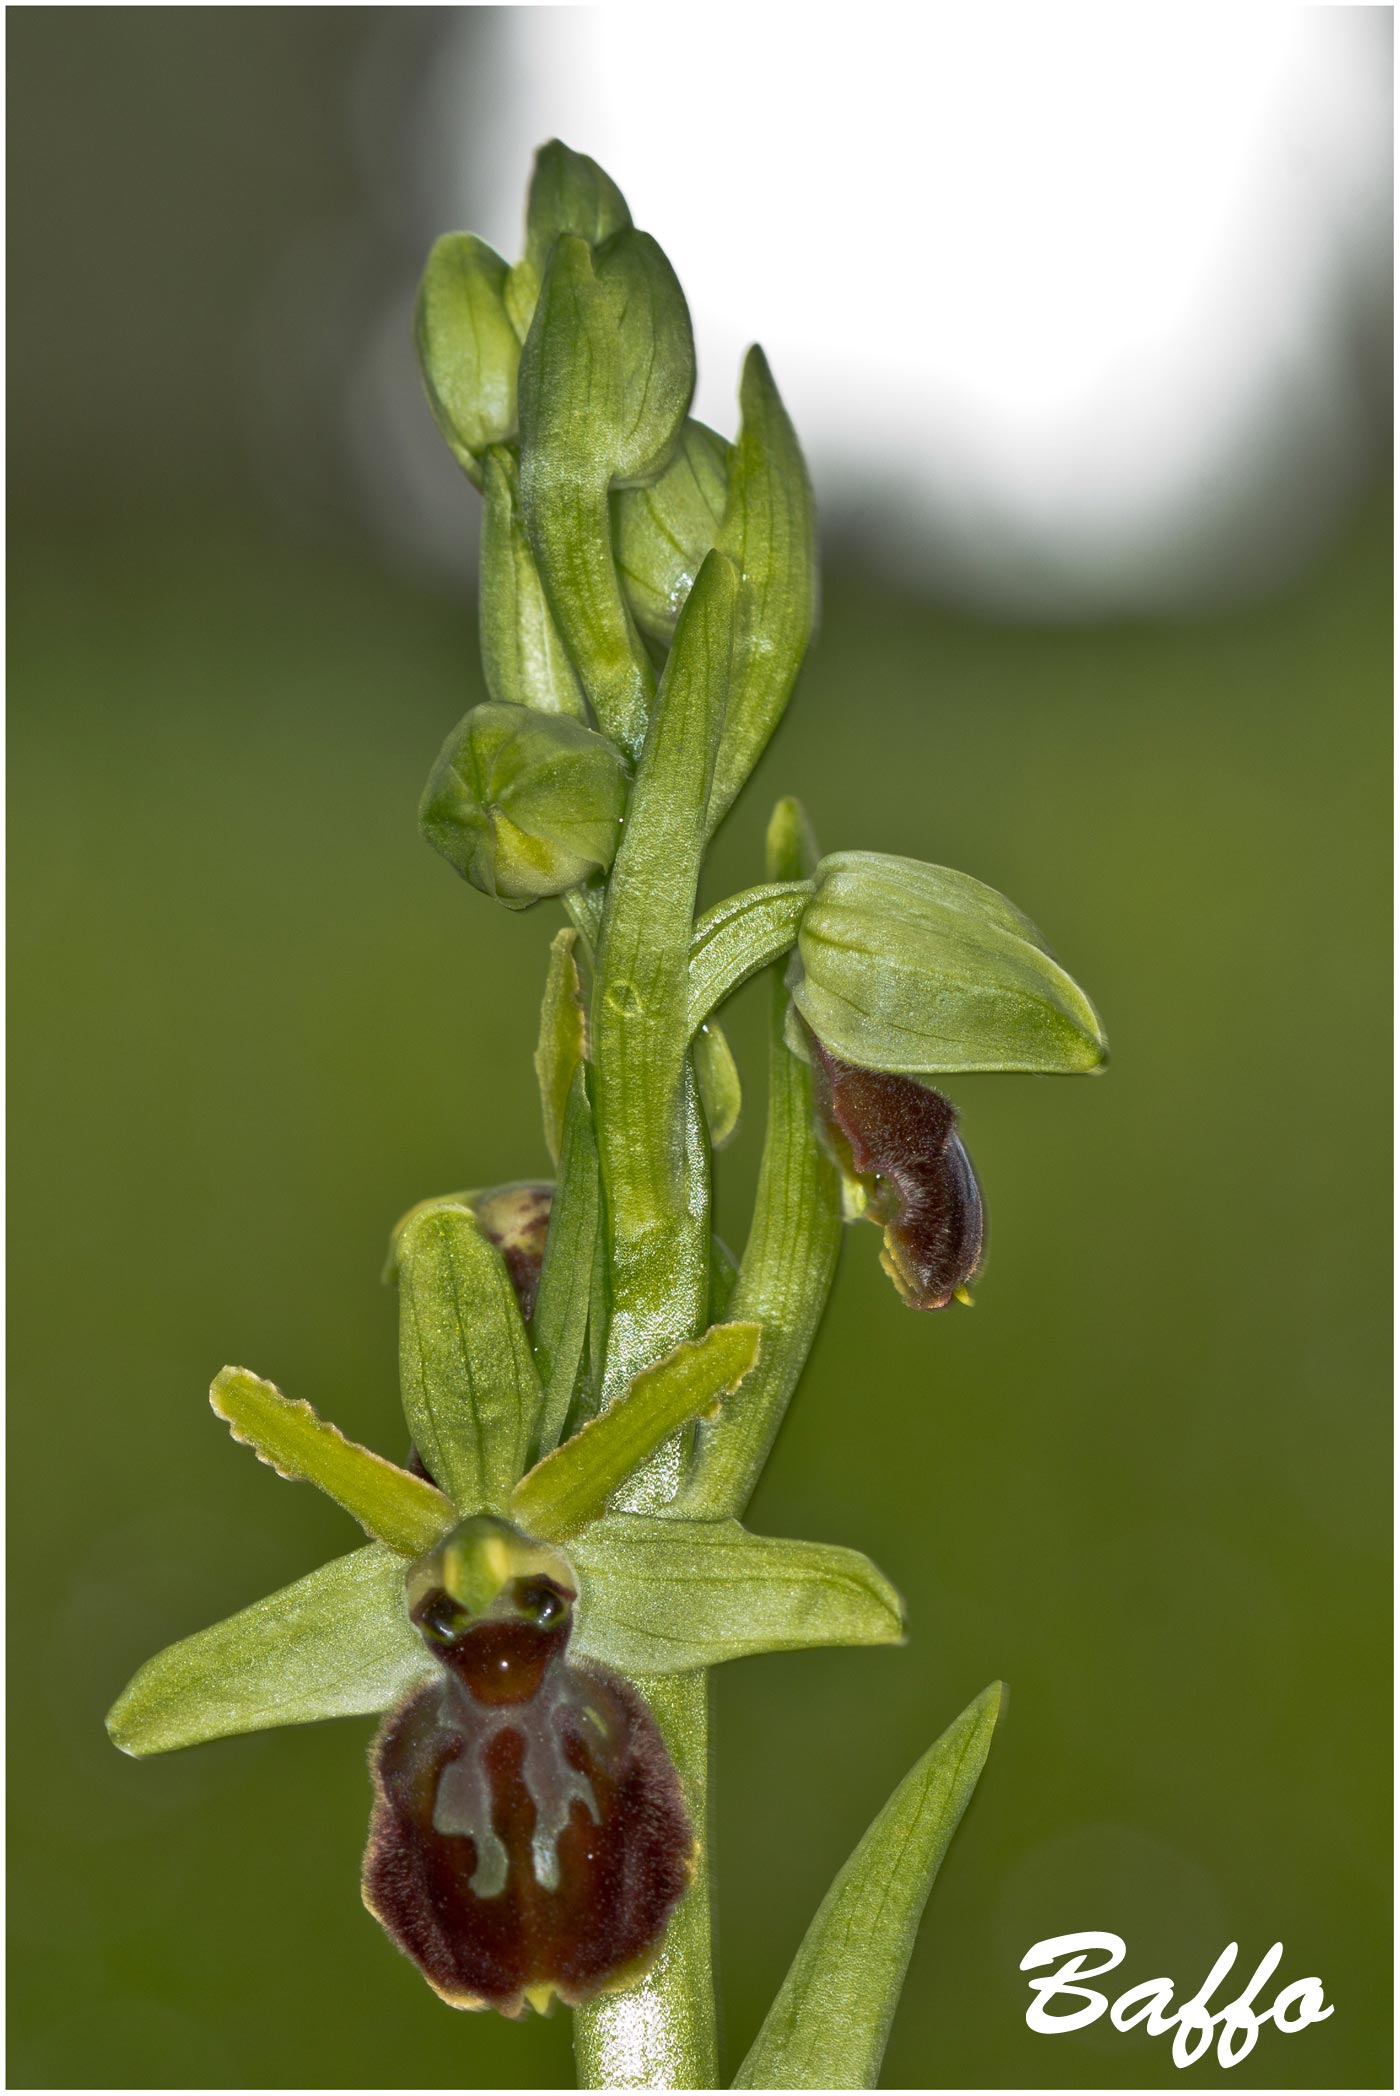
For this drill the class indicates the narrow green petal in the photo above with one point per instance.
(563, 1305)
(662, 1595)
(563, 1041)
(471, 1394)
(738, 937)
(404, 1511)
(794, 1240)
(573, 1484)
(828, 2026)
(717, 1074)
(336, 1644)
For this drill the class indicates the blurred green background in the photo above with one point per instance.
(253, 1018)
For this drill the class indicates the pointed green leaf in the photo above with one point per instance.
(717, 1075)
(794, 1240)
(335, 1644)
(563, 1041)
(738, 937)
(404, 1511)
(663, 1595)
(522, 650)
(770, 533)
(569, 193)
(471, 1395)
(828, 2026)
(606, 376)
(468, 350)
(651, 1137)
(562, 1307)
(575, 1483)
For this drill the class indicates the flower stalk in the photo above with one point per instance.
(591, 1387)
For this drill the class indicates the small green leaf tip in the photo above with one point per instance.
(919, 970)
(574, 1484)
(394, 1506)
(828, 2027)
(524, 804)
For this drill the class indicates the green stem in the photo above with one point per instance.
(660, 2034)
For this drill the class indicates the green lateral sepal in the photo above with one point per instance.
(396, 1508)
(471, 1394)
(335, 1644)
(662, 1595)
(828, 2027)
(574, 1484)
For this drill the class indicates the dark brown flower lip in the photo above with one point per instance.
(899, 1139)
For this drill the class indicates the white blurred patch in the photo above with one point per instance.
(1073, 309)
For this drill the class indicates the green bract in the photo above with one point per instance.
(918, 969)
(524, 804)
(591, 1382)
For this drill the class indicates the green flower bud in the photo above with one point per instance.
(468, 350)
(524, 804)
(918, 969)
(663, 532)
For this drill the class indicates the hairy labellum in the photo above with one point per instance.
(898, 1140)
(529, 1837)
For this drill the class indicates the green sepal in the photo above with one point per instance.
(662, 1595)
(606, 377)
(467, 347)
(828, 2027)
(569, 193)
(336, 1644)
(564, 1304)
(717, 1074)
(573, 1484)
(522, 651)
(794, 1239)
(471, 1394)
(921, 970)
(738, 937)
(770, 533)
(563, 1041)
(393, 1505)
(662, 532)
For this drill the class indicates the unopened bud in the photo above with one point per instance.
(664, 531)
(524, 804)
(468, 350)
